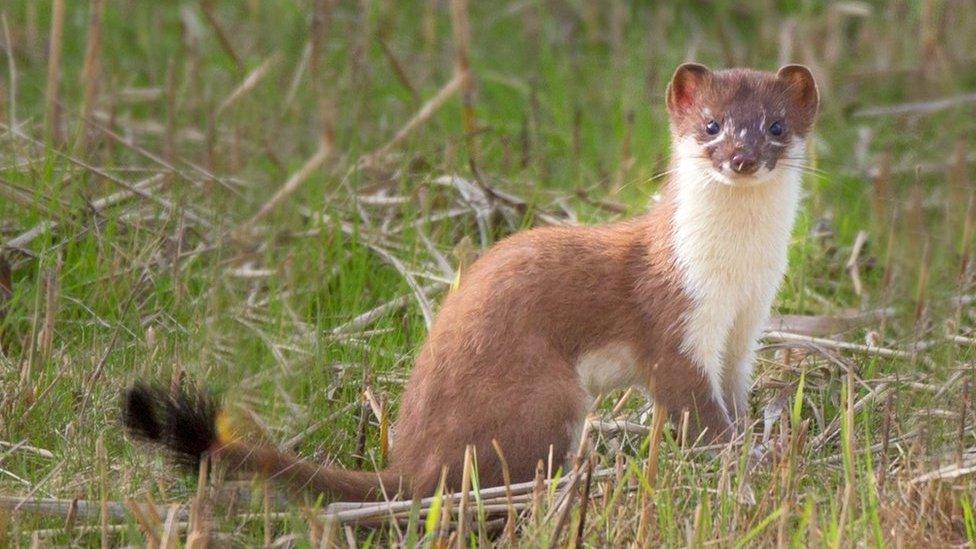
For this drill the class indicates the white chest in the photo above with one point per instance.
(610, 367)
(731, 248)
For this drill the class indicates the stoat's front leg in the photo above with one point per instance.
(739, 359)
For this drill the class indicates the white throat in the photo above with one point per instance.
(731, 246)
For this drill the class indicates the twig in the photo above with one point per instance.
(853, 267)
(821, 325)
(425, 307)
(249, 83)
(290, 186)
(97, 206)
(358, 513)
(949, 471)
(834, 427)
(169, 206)
(787, 337)
(22, 447)
(422, 116)
(367, 318)
(62, 507)
(919, 107)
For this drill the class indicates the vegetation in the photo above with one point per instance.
(270, 198)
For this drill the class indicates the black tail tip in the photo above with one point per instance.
(183, 421)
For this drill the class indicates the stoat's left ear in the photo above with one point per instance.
(686, 86)
(801, 86)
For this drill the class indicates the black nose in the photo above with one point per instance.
(744, 163)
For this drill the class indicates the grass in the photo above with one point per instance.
(209, 108)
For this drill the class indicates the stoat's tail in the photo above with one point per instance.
(191, 425)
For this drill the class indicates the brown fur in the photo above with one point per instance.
(501, 359)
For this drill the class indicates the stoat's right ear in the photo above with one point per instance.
(686, 86)
(801, 86)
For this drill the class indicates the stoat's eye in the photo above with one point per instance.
(776, 128)
(712, 128)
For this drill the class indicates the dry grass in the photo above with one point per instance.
(270, 197)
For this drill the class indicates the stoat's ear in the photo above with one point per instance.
(801, 87)
(686, 86)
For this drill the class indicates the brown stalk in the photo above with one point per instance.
(889, 265)
(6, 292)
(626, 155)
(69, 520)
(266, 504)
(145, 523)
(849, 479)
(321, 19)
(889, 416)
(958, 177)
(52, 123)
(538, 492)
(398, 70)
(881, 189)
(33, 344)
(199, 535)
(444, 521)
(659, 416)
(52, 291)
(564, 504)
(963, 416)
(462, 67)
(584, 505)
(969, 225)
(364, 409)
(169, 151)
(90, 70)
(463, 505)
(170, 537)
(206, 6)
(923, 278)
(12, 71)
(512, 517)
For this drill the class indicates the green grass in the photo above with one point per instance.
(569, 98)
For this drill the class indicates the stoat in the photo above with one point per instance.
(549, 318)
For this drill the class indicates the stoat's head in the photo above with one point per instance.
(741, 127)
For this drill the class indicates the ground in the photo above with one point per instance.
(213, 193)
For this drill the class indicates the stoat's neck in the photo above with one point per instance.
(730, 248)
(732, 239)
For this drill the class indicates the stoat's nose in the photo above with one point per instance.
(744, 163)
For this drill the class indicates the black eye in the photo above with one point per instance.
(712, 127)
(776, 129)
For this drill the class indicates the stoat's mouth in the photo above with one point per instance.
(730, 178)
